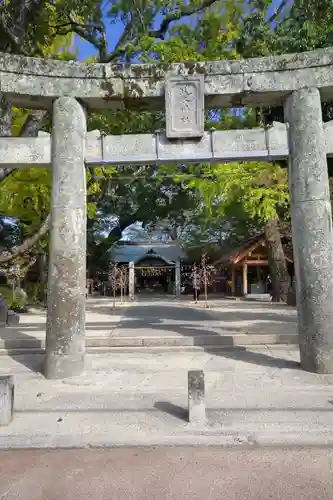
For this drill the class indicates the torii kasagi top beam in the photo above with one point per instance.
(35, 83)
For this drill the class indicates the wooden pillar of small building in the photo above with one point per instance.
(245, 283)
(233, 281)
(131, 281)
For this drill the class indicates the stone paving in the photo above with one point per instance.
(101, 319)
(254, 394)
(157, 321)
(156, 317)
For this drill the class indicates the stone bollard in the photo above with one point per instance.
(196, 397)
(3, 311)
(13, 318)
(6, 399)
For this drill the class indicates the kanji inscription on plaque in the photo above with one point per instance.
(184, 106)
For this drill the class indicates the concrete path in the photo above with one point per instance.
(256, 396)
(101, 320)
(167, 473)
(161, 317)
(153, 322)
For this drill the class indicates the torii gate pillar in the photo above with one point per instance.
(312, 229)
(65, 329)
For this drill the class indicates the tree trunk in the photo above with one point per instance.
(42, 278)
(277, 261)
(33, 123)
(5, 117)
(15, 23)
(5, 128)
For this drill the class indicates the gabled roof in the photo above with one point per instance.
(169, 252)
(237, 254)
(156, 256)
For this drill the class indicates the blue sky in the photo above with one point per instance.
(86, 50)
(113, 31)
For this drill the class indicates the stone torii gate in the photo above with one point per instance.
(299, 81)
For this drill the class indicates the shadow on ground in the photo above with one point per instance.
(159, 317)
(156, 317)
(172, 409)
(23, 336)
(142, 313)
(256, 358)
(106, 310)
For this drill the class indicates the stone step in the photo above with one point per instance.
(263, 297)
(153, 428)
(93, 344)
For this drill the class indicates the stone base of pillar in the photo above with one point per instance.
(58, 366)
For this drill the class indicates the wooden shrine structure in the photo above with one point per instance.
(250, 260)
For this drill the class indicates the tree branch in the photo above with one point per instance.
(70, 24)
(6, 172)
(277, 12)
(93, 32)
(27, 244)
(128, 36)
(30, 241)
(123, 42)
(176, 15)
